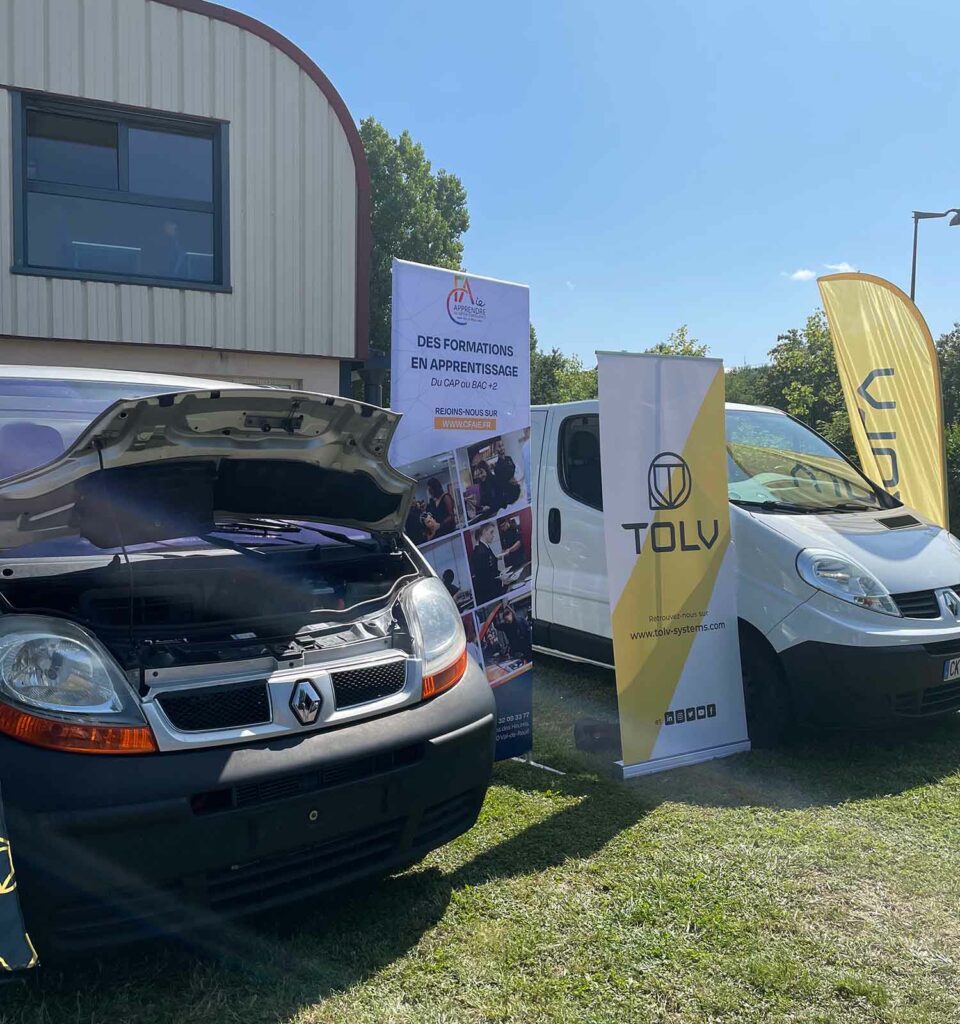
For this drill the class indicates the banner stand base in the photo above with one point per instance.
(528, 760)
(662, 764)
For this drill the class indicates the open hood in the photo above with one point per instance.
(161, 467)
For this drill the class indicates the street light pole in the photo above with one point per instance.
(913, 267)
(919, 215)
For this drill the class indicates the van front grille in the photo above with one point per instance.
(304, 872)
(217, 707)
(920, 604)
(449, 817)
(372, 682)
(282, 787)
(934, 700)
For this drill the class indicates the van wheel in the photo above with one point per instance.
(765, 693)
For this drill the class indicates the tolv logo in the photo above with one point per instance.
(668, 481)
(463, 307)
(669, 486)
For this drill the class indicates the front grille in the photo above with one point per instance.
(217, 707)
(450, 817)
(920, 604)
(285, 786)
(248, 888)
(361, 685)
(933, 700)
(944, 648)
(309, 870)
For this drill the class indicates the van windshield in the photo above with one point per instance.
(777, 464)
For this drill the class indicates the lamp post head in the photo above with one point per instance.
(926, 215)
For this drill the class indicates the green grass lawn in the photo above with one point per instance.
(815, 884)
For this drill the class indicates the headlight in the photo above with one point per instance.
(60, 688)
(842, 577)
(436, 626)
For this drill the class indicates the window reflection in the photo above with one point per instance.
(70, 233)
(71, 150)
(170, 164)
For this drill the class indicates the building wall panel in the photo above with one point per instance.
(293, 192)
(63, 29)
(100, 47)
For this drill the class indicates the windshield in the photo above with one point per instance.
(773, 460)
(40, 419)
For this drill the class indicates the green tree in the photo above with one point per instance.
(802, 379)
(555, 377)
(416, 214)
(948, 349)
(747, 384)
(679, 343)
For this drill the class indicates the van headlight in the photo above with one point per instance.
(438, 631)
(60, 688)
(842, 577)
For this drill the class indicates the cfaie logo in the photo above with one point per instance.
(669, 481)
(670, 484)
(463, 307)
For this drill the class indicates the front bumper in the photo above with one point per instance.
(847, 686)
(115, 849)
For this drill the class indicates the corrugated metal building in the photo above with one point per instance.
(181, 190)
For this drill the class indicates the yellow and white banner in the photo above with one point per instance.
(669, 560)
(891, 384)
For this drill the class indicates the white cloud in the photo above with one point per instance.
(841, 268)
(803, 274)
(570, 286)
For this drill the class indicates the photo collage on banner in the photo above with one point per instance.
(471, 514)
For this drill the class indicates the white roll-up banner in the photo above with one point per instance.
(460, 374)
(670, 561)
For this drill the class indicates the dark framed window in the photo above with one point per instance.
(579, 459)
(102, 193)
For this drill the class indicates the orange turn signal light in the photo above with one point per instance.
(446, 677)
(75, 737)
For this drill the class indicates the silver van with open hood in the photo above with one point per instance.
(227, 680)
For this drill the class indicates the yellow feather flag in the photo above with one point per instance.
(891, 383)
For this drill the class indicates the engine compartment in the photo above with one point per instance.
(217, 603)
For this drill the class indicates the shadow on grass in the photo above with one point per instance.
(274, 966)
(819, 767)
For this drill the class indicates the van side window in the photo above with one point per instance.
(578, 460)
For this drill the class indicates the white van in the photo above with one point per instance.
(849, 601)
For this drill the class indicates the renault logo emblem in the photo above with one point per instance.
(951, 603)
(305, 702)
(669, 481)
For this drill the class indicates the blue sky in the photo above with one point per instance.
(642, 165)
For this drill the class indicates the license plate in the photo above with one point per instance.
(951, 669)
